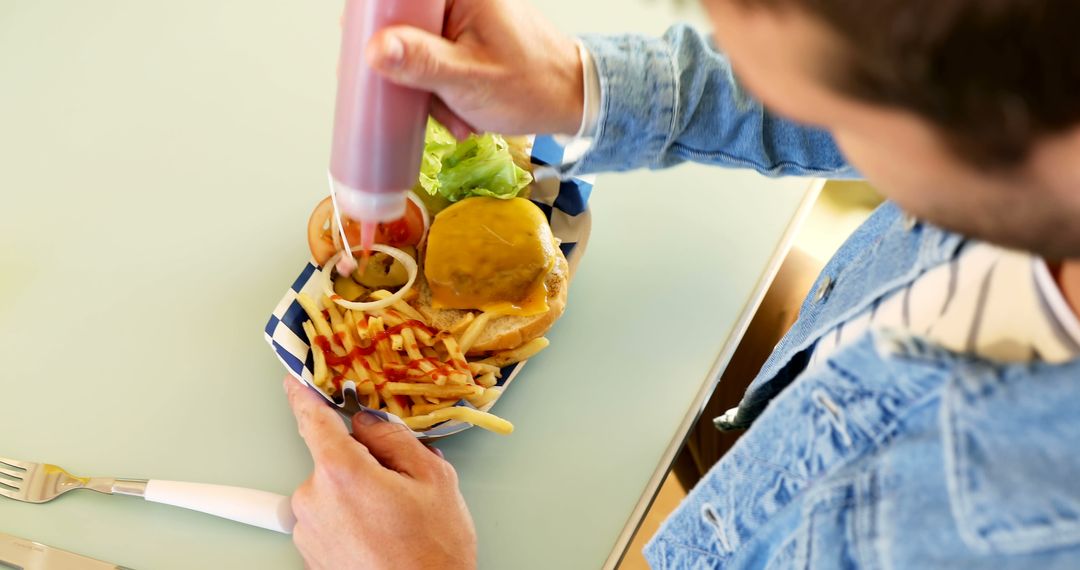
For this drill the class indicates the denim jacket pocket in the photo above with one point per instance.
(1010, 438)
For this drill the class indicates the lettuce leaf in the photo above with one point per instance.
(481, 165)
(438, 144)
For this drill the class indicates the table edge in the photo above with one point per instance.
(697, 407)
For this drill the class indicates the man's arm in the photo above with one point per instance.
(501, 66)
(674, 99)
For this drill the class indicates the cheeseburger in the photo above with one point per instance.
(494, 256)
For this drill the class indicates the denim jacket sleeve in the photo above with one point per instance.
(674, 99)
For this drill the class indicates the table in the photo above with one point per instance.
(157, 164)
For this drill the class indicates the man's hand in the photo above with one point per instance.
(377, 499)
(501, 67)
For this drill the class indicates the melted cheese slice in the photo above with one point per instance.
(490, 255)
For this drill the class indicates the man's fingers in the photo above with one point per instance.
(323, 431)
(449, 119)
(415, 58)
(395, 446)
(304, 537)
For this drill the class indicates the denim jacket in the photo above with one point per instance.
(892, 453)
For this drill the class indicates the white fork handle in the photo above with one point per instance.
(249, 506)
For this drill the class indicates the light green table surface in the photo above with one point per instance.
(158, 161)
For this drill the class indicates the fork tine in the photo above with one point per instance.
(17, 475)
(9, 493)
(16, 463)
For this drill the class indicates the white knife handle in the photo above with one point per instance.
(249, 506)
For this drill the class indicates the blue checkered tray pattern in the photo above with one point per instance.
(563, 201)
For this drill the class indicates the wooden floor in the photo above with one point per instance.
(840, 209)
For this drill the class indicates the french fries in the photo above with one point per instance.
(402, 365)
(440, 392)
(484, 398)
(475, 417)
(473, 332)
(523, 352)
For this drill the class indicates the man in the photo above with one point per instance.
(921, 412)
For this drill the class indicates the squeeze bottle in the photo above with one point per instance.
(378, 126)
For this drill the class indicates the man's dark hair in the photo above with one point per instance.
(995, 75)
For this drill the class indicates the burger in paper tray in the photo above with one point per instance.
(432, 328)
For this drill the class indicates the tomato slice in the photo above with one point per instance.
(407, 231)
(319, 238)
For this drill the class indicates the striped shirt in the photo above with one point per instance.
(991, 302)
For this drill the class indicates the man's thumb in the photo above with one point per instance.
(415, 58)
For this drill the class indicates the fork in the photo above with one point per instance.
(351, 406)
(41, 482)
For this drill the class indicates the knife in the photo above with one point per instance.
(20, 554)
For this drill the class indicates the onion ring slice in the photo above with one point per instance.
(405, 259)
(425, 216)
